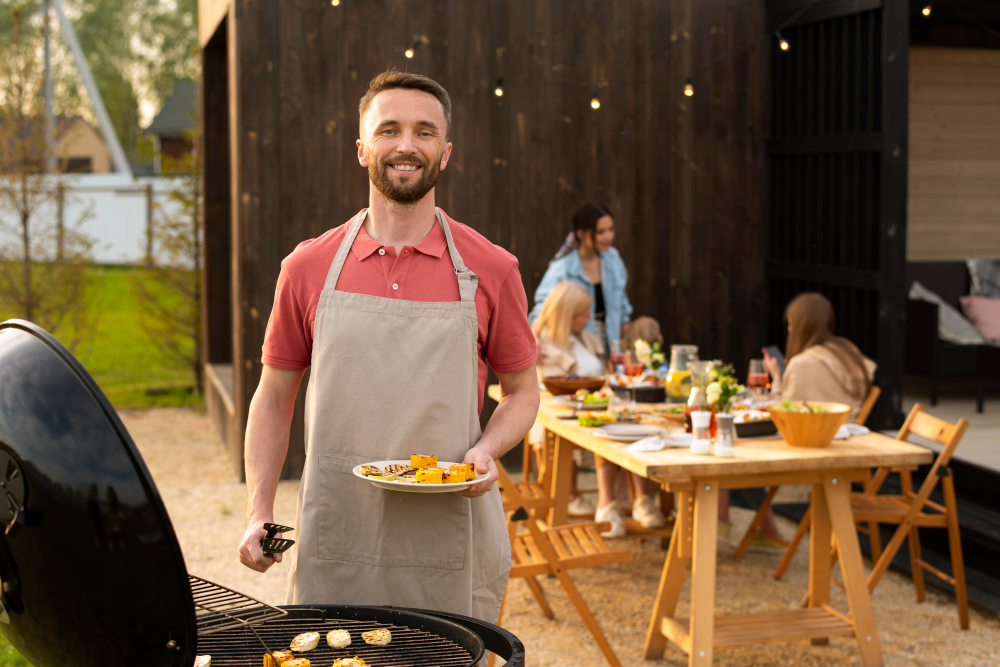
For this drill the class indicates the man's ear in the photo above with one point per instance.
(362, 158)
(446, 155)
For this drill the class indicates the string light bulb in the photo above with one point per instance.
(782, 42)
(335, 3)
(595, 102)
(926, 11)
(688, 87)
(412, 50)
(498, 91)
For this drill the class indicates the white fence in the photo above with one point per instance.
(120, 211)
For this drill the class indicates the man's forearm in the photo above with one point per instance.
(268, 428)
(511, 420)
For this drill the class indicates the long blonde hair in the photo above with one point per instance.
(811, 321)
(564, 302)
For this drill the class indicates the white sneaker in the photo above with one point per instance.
(609, 513)
(580, 506)
(644, 511)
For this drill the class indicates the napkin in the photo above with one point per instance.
(849, 430)
(656, 443)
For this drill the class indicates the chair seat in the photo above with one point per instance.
(885, 508)
(576, 545)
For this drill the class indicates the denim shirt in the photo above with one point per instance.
(617, 309)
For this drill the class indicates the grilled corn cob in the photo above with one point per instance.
(423, 460)
(379, 637)
(338, 638)
(453, 477)
(281, 656)
(429, 476)
(307, 641)
(467, 468)
(349, 662)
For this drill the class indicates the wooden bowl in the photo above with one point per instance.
(558, 386)
(810, 429)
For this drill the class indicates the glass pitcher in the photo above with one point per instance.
(678, 376)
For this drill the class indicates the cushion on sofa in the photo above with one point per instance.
(952, 327)
(984, 313)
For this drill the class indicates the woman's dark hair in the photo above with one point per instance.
(586, 217)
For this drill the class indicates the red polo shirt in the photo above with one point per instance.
(421, 272)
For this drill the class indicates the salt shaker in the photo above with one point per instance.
(724, 436)
(701, 439)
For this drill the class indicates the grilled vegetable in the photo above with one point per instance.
(297, 662)
(398, 469)
(203, 661)
(307, 641)
(379, 637)
(350, 662)
(470, 471)
(384, 478)
(281, 656)
(453, 477)
(423, 460)
(430, 476)
(371, 470)
(338, 638)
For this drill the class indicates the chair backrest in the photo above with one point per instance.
(509, 494)
(937, 430)
(866, 407)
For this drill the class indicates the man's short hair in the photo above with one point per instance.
(393, 78)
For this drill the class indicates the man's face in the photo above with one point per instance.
(403, 143)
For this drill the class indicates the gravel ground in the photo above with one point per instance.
(206, 506)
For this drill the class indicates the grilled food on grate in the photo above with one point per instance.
(350, 662)
(307, 641)
(378, 637)
(281, 656)
(338, 638)
(203, 661)
(297, 662)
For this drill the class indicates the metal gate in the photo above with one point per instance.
(837, 173)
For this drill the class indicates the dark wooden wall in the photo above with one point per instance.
(683, 175)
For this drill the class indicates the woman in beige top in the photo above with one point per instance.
(821, 366)
(565, 346)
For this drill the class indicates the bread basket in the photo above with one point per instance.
(810, 429)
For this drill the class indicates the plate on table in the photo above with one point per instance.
(628, 432)
(413, 487)
(568, 402)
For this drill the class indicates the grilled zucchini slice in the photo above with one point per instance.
(307, 641)
(338, 638)
(379, 637)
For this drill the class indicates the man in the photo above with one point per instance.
(396, 313)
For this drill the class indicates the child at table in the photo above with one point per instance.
(565, 346)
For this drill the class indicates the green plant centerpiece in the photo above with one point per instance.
(723, 387)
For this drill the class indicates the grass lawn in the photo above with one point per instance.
(119, 355)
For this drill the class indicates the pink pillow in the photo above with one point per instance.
(984, 313)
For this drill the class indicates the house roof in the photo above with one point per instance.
(177, 114)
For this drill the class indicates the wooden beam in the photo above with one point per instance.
(210, 15)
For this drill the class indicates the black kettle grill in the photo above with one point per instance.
(92, 575)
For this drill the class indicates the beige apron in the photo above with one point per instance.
(391, 378)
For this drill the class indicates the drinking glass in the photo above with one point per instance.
(757, 378)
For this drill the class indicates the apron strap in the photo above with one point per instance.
(468, 282)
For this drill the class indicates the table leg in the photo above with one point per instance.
(706, 520)
(563, 469)
(838, 500)
(819, 554)
(671, 582)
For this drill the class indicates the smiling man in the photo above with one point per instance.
(396, 313)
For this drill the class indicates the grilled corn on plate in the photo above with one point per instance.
(423, 460)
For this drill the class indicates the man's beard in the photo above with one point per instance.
(407, 193)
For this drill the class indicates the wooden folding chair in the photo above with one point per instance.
(538, 551)
(863, 412)
(911, 510)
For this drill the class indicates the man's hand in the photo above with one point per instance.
(482, 462)
(250, 550)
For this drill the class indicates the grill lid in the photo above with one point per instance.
(91, 573)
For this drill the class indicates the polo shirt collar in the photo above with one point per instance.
(433, 245)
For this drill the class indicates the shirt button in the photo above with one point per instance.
(381, 251)
(395, 286)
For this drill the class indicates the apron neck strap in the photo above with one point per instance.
(467, 280)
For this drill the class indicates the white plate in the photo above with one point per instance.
(628, 432)
(412, 487)
(572, 403)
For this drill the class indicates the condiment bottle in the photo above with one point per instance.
(701, 440)
(725, 444)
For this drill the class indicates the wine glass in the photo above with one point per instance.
(757, 378)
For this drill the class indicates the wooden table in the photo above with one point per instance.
(697, 480)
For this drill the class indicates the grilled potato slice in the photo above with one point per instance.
(371, 470)
(338, 638)
(307, 641)
(379, 637)
(203, 661)
(423, 460)
(281, 656)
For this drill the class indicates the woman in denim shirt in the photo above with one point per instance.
(588, 259)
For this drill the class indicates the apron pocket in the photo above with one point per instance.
(360, 522)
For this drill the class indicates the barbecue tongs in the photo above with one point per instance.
(275, 545)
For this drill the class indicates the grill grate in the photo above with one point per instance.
(409, 647)
(218, 608)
